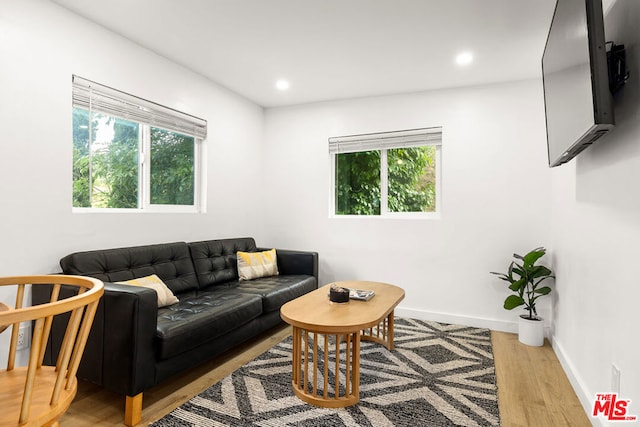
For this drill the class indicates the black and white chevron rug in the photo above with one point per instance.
(437, 375)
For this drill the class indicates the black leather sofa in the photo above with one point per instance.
(135, 345)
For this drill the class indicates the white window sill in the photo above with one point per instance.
(399, 215)
(154, 210)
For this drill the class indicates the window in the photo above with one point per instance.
(129, 153)
(387, 174)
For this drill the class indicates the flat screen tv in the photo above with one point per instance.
(578, 105)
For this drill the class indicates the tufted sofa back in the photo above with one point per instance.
(215, 261)
(169, 261)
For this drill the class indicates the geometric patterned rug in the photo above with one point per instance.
(437, 375)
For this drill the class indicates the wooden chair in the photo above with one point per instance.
(37, 395)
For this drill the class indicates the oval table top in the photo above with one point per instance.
(314, 311)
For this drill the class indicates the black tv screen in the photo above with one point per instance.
(578, 106)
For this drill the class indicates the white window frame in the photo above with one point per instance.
(382, 142)
(96, 98)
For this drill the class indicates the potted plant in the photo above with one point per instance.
(525, 279)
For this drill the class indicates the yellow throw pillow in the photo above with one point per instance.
(165, 296)
(252, 265)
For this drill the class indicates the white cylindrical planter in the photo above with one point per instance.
(531, 332)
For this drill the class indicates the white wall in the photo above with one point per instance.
(41, 46)
(495, 197)
(596, 230)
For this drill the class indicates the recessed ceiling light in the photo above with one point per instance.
(282, 85)
(464, 58)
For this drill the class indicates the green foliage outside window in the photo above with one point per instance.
(411, 175)
(172, 171)
(81, 181)
(106, 172)
(116, 168)
(412, 179)
(358, 183)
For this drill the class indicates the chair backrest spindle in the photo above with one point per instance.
(55, 294)
(15, 330)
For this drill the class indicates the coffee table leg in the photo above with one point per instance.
(295, 357)
(390, 331)
(382, 333)
(356, 366)
(301, 365)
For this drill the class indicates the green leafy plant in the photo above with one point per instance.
(524, 278)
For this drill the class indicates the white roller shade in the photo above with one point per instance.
(93, 96)
(385, 140)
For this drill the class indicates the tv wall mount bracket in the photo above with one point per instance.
(616, 62)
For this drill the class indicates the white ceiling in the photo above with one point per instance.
(334, 49)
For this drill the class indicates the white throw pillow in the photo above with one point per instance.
(165, 296)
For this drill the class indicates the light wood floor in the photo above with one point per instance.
(533, 390)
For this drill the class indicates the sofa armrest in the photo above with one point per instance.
(130, 324)
(296, 262)
(119, 354)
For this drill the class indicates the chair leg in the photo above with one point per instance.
(133, 410)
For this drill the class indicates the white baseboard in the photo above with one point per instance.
(586, 399)
(456, 319)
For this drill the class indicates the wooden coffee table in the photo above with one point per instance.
(315, 318)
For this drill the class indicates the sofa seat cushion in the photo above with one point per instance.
(275, 291)
(199, 318)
